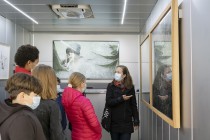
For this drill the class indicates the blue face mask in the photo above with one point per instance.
(169, 76)
(118, 77)
(36, 102)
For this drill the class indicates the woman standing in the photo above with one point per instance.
(48, 111)
(120, 97)
(79, 110)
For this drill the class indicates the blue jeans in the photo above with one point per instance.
(120, 136)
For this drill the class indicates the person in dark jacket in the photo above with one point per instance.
(120, 97)
(48, 111)
(162, 90)
(17, 120)
(26, 58)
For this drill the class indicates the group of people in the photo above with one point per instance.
(32, 113)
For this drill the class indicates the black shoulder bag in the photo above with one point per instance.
(106, 118)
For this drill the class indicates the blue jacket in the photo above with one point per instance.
(63, 114)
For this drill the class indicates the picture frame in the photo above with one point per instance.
(97, 60)
(164, 85)
(4, 61)
(144, 66)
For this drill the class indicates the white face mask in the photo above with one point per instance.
(118, 77)
(59, 89)
(36, 102)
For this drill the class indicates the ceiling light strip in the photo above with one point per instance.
(124, 8)
(21, 11)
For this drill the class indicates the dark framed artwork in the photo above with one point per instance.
(164, 94)
(95, 59)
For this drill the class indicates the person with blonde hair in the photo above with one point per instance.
(48, 111)
(79, 110)
(17, 120)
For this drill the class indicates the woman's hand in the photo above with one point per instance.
(127, 97)
(136, 127)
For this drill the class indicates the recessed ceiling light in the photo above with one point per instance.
(125, 3)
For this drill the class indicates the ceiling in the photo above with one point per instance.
(107, 15)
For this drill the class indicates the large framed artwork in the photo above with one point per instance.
(95, 59)
(164, 87)
(4, 61)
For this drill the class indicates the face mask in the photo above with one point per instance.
(59, 89)
(36, 102)
(117, 77)
(169, 76)
(83, 90)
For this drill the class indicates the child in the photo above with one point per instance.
(17, 120)
(79, 110)
(26, 58)
(48, 111)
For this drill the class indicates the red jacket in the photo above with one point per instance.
(22, 70)
(81, 115)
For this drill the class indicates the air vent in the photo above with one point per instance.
(69, 5)
(74, 11)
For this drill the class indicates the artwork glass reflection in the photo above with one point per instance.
(162, 66)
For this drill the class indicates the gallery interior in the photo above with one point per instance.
(140, 34)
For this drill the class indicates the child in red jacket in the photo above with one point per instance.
(80, 111)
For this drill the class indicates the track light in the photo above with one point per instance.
(21, 11)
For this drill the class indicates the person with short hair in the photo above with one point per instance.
(17, 120)
(48, 111)
(26, 58)
(79, 110)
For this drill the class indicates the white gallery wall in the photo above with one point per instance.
(194, 32)
(128, 52)
(13, 36)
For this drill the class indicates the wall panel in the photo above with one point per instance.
(186, 130)
(9, 35)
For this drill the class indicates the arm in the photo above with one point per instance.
(90, 116)
(134, 107)
(110, 100)
(155, 96)
(56, 131)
